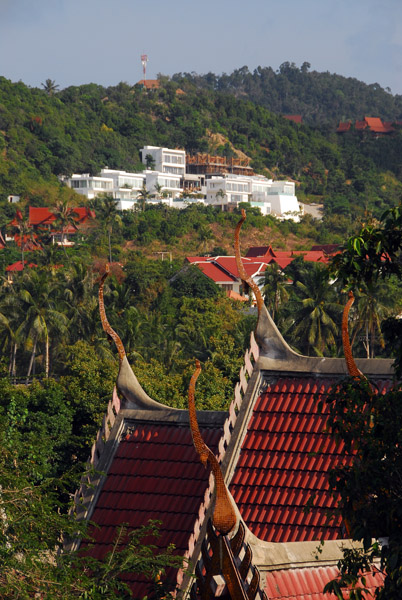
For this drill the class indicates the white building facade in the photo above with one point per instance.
(271, 197)
(166, 160)
(167, 179)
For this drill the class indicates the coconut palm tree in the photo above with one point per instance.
(39, 300)
(314, 314)
(109, 216)
(23, 229)
(66, 217)
(158, 190)
(50, 87)
(275, 289)
(143, 196)
(9, 322)
(373, 305)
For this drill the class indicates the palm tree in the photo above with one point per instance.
(110, 217)
(220, 195)
(22, 227)
(275, 289)
(158, 190)
(143, 196)
(50, 87)
(65, 217)
(373, 305)
(38, 296)
(313, 313)
(9, 321)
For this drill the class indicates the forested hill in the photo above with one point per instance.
(319, 97)
(82, 129)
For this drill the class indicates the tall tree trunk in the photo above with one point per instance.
(31, 362)
(367, 341)
(47, 356)
(110, 247)
(13, 360)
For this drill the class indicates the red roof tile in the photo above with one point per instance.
(308, 583)
(343, 126)
(43, 216)
(285, 456)
(260, 252)
(294, 118)
(19, 266)
(155, 474)
(215, 273)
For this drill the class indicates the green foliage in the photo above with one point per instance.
(319, 97)
(82, 129)
(311, 317)
(374, 252)
(370, 425)
(194, 284)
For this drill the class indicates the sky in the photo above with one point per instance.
(96, 41)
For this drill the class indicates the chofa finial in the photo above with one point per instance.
(240, 266)
(353, 370)
(105, 323)
(224, 515)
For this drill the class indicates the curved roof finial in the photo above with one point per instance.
(240, 266)
(224, 515)
(267, 335)
(353, 370)
(127, 383)
(105, 323)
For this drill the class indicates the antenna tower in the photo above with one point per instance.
(144, 60)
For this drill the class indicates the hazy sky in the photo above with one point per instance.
(83, 41)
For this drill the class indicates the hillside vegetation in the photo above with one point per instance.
(319, 97)
(82, 129)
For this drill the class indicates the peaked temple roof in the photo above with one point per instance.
(274, 450)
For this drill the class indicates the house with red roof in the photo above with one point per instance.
(17, 267)
(295, 118)
(224, 272)
(372, 124)
(274, 452)
(43, 220)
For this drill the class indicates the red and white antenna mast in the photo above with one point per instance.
(144, 60)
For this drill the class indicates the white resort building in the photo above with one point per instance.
(165, 159)
(271, 197)
(166, 179)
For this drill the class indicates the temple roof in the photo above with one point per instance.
(280, 482)
(275, 456)
(307, 583)
(153, 473)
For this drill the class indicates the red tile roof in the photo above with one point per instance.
(252, 267)
(155, 474)
(374, 124)
(149, 84)
(222, 269)
(344, 126)
(215, 273)
(260, 252)
(283, 464)
(43, 216)
(19, 266)
(308, 583)
(294, 118)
